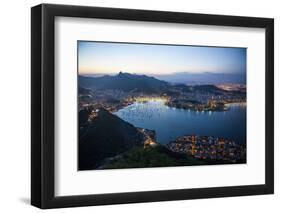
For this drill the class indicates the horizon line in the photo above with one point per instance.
(158, 74)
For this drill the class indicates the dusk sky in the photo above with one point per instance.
(111, 58)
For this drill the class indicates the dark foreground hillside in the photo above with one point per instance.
(158, 156)
(106, 136)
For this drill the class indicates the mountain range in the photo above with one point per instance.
(125, 82)
(139, 83)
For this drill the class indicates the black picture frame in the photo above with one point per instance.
(43, 117)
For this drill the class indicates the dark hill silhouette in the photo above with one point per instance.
(140, 83)
(106, 136)
(125, 82)
(207, 88)
(199, 88)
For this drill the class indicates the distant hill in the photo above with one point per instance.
(106, 136)
(125, 82)
(199, 88)
(203, 78)
(207, 88)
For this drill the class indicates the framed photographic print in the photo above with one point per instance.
(139, 106)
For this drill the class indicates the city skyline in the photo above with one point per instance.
(106, 58)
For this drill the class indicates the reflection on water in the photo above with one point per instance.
(170, 123)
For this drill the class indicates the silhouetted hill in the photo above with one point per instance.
(106, 136)
(140, 83)
(199, 88)
(207, 88)
(125, 82)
